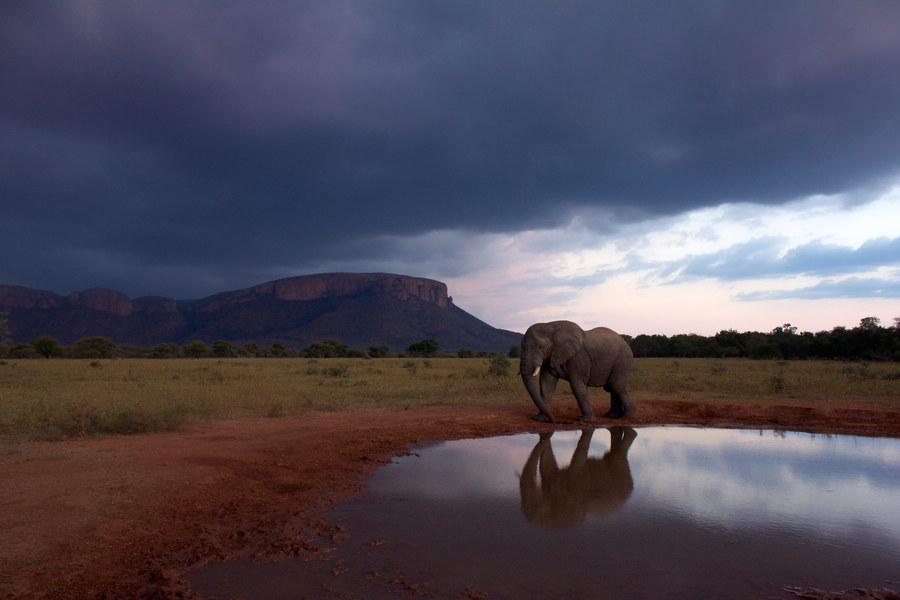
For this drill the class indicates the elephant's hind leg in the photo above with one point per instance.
(579, 389)
(621, 404)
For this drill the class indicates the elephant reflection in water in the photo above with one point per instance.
(564, 497)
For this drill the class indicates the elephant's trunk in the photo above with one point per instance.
(533, 385)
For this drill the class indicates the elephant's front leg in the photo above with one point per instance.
(547, 386)
(579, 388)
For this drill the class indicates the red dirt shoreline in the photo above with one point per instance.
(126, 517)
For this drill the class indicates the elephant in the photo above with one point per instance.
(595, 486)
(596, 358)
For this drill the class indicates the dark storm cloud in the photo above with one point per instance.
(169, 139)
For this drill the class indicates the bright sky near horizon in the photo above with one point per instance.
(653, 167)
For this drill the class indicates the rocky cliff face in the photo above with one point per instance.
(311, 287)
(335, 285)
(104, 300)
(360, 309)
(14, 296)
(304, 287)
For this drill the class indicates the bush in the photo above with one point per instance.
(776, 384)
(499, 365)
(132, 351)
(341, 370)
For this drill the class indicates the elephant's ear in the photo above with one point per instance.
(566, 342)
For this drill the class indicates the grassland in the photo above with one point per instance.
(56, 399)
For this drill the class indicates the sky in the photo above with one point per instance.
(653, 167)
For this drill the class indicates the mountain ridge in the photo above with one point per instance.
(359, 309)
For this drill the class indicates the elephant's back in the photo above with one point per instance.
(607, 342)
(611, 355)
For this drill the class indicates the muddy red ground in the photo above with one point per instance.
(125, 517)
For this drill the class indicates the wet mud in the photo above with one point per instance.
(127, 517)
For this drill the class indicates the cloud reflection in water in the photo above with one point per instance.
(724, 478)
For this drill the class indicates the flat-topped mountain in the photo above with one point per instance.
(359, 309)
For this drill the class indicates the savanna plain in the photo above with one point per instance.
(118, 476)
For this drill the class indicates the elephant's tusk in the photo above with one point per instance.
(536, 371)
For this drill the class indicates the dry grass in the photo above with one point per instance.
(52, 399)
(799, 383)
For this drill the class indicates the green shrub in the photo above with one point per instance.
(499, 365)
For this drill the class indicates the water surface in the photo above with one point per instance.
(649, 513)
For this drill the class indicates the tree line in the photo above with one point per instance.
(868, 341)
(102, 347)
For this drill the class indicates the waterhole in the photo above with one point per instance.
(655, 512)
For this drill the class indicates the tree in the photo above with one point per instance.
(278, 351)
(427, 347)
(22, 351)
(789, 344)
(249, 350)
(328, 349)
(691, 345)
(838, 343)
(5, 331)
(895, 339)
(92, 347)
(465, 353)
(760, 345)
(871, 341)
(730, 343)
(223, 349)
(379, 351)
(648, 346)
(46, 346)
(169, 350)
(196, 349)
(870, 323)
